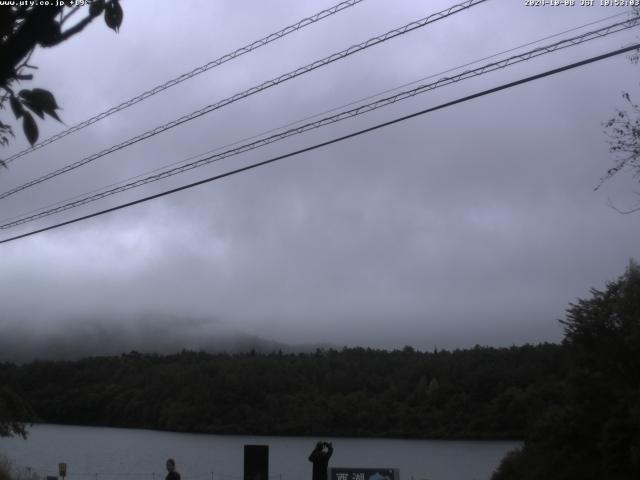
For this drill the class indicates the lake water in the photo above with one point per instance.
(93, 453)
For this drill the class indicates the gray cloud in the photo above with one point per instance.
(476, 224)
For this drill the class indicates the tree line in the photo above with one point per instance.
(475, 393)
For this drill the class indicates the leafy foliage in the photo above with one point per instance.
(595, 432)
(623, 130)
(22, 29)
(14, 411)
(5, 132)
(113, 15)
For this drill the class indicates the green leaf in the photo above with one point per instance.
(46, 101)
(53, 114)
(34, 108)
(40, 101)
(30, 128)
(44, 98)
(28, 101)
(113, 15)
(16, 106)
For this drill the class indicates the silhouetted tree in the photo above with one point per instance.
(22, 29)
(477, 393)
(594, 432)
(623, 131)
(14, 412)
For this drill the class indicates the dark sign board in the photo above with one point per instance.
(256, 462)
(340, 473)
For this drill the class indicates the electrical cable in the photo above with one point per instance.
(305, 119)
(196, 71)
(335, 140)
(515, 59)
(256, 89)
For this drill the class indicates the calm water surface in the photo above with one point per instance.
(93, 453)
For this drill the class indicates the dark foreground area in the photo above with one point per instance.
(477, 393)
(577, 405)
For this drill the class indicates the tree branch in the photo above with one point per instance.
(77, 28)
(68, 15)
(37, 26)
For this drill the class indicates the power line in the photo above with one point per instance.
(334, 109)
(263, 86)
(336, 140)
(341, 116)
(515, 59)
(305, 119)
(196, 71)
(354, 102)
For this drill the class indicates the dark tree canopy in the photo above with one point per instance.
(22, 29)
(477, 393)
(606, 328)
(594, 432)
(14, 412)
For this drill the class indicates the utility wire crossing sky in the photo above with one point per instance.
(252, 91)
(574, 41)
(470, 225)
(339, 139)
(272, 37)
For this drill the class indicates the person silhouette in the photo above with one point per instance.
(171, 469)
(320, 459)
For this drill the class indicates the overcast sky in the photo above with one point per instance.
(476, 224)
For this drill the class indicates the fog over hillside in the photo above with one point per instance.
(86, 337)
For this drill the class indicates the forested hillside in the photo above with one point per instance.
(476, 393)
